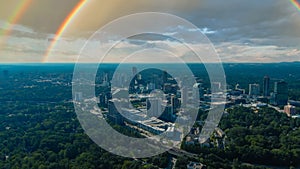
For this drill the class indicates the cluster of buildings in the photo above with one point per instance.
(279, 96)
(155, 114)
(276, 98)
(140, 118)
(218, 139)
(143, 110)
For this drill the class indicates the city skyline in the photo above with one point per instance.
(149, 84)
(151, 106)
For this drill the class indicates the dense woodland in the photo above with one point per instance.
(49, 136)
(266, 137)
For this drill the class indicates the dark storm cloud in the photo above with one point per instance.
(235, 19)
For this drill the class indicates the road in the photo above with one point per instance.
(179, 152)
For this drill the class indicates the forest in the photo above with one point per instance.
(263, 138)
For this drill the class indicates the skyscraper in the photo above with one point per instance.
(105, 81)
(198, 92)
(113, 113)
(134, 71)
(266, 86)
(254, 89)
(184, 96)
(281, 93)
(154, 107)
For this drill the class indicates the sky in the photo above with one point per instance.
(240, 31)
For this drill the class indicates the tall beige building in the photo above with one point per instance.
(289, 110)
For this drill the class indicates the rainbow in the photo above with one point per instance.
(14, 18)
(63, 27)
(296, 4)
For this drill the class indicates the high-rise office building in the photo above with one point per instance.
(134, 71)
(154, 107)
(266, 86)
(184, 96)
(198, 92)
(113, 114)
(281, 93)
(175, 102)
(105, 81)
(156, 81)
(104, 98)
(254, 89)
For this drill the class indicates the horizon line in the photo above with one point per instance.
(44, 63)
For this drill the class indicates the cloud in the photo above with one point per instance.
(241, 31)
(241, 52)
(19, 28)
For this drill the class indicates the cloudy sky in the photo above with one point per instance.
(240, 31)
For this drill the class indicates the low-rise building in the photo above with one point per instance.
(195, 165)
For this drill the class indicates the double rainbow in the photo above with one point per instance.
(19, 11)
(296, 4)
(63, 27)
(14, 19)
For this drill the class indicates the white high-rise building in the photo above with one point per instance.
(197, 91)
(184, 96)
(154, 107)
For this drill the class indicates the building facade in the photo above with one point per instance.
(254, 89)
(281, 93)
(289, 110)
(266, 86)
